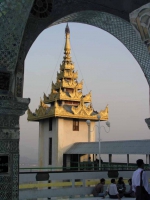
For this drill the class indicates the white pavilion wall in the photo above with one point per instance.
(63, 137)
(44, 135)
(67, 137)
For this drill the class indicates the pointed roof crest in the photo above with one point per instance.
(67, 30)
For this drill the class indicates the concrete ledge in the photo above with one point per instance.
(95, 198)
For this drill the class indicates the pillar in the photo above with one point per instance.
(110, 158)
(147, 159)
(93, 158)
(78, 162)
(127, 161)
(10, 111)
(89, 132)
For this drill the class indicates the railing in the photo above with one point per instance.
(84, 166)
(64, 184)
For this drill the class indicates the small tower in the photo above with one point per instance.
(63, 113)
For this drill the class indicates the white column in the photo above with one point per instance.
(99, 144)
(147, 159)
(89, 133)
(41, 146)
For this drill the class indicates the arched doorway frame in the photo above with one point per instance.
(12, 108)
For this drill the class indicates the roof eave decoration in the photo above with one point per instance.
(104, 114)
(67, 84)
(67, 74)
(81, 112)
(82, 109)
(74, 96)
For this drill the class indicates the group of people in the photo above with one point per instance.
(139, 186)
(114, 190)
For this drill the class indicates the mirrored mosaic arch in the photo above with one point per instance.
(119, 28)
(116, 26)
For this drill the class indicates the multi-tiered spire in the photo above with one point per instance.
(67, 49)
(66, 98)
(67, 88)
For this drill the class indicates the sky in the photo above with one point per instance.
(108, 69)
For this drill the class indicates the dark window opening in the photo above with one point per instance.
(75, 125)
(74, 159)
(50, 151)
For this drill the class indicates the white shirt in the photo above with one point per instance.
(136, 180)
(112, 189)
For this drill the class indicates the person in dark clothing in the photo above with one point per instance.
(130, 193)
(140, 183)
(121, 186)
(98, 191)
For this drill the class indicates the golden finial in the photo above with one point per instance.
(67, 47)
(67, 30)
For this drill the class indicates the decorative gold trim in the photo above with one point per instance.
(67, 66)
(88, 97)
(81, 112)
(82, 109)
(104, 114)
(67, 74)
(67, 84)
(42, 104)
(75, 96)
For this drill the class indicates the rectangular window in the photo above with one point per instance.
(75, 125)
(50, 151)
(50, 124)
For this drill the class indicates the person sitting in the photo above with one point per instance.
(98, 190)
(112, 190)
(130, 193)
(121, 186)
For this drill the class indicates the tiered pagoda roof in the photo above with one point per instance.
(66, 98)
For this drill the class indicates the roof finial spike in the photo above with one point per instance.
(67, 30)
(67, 48)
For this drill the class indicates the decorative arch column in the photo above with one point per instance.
(13, 18)
(10, 111)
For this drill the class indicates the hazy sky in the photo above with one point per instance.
(108, 69)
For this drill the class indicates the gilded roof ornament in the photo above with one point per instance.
(82, 109)
(104, 114)
(42, 104)
(81, 112)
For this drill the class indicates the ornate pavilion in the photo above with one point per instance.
(63, 113)
(66, 98)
